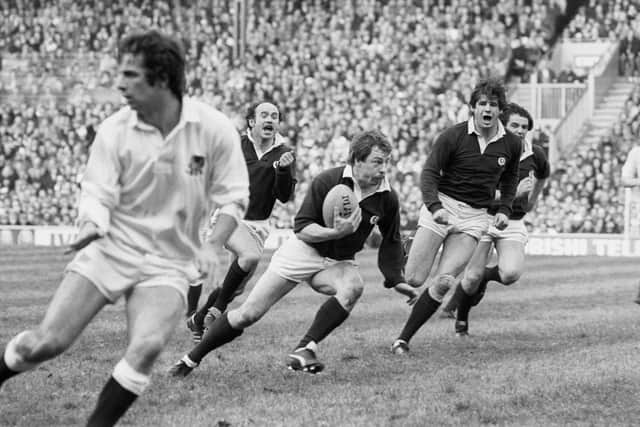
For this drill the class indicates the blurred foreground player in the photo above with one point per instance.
(155, 170)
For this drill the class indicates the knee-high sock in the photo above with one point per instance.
(452, 304)
(113, 402)
(234, 278)
(422, 310)
(330, 315)
(200, 315)
(464, 306)
(122, 389)
(193, 296)
(219, 333)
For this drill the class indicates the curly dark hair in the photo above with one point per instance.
(513, 108)
(363, 143)
(163, 58)
(493, 89)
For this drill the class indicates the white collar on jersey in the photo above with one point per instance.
(527, 149)
(348, 173)
(278, 140)
(188, 113)
(471, 128)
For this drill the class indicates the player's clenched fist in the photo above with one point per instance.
(207, 261)
(524, 187)
(286, 159)
(441, 216)
(501, 221)
(348, 225)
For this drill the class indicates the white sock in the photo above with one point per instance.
(187, 361)
(130, 379)
(311, 345)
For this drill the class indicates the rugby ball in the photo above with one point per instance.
(341, 196)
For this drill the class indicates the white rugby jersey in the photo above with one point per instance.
(153, 194)
(631, 167)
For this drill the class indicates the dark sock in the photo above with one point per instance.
(492, 273)
(200, 314)
(5, 372)
(464, 306)
(422, 310)
(452, 304)
(234, 278)
(477, 297)
(330, 315)
(113, 402)
(219, 333)
(193, 296)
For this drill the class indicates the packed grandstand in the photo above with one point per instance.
(334, 67)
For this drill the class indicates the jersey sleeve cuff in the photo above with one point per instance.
(505, 210)
(91, 210)
(391, 283)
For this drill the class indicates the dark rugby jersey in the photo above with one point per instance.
(456, 168)
(266, 182)
(381, 208)
(534, 161)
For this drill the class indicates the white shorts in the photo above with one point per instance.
(116, 269)
(259, 229)
(462, 217)
(516, 231)
(299, 262)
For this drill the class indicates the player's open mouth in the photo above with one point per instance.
(268, 128)
(487, 117)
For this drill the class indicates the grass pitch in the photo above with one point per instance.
(560, 347)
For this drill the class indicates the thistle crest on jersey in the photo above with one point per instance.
(196, 164)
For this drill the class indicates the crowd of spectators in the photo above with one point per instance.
(334, 67)
(584, 193)
(612, 20)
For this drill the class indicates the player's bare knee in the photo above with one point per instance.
(441, 286)
(509, 276)
(413, 279)
(349, 293)
(473, 276)
(247, 315)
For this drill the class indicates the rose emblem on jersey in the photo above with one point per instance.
(501, 161)
(196, 164)
(374, 219)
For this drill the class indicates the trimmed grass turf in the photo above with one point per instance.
(558, 348)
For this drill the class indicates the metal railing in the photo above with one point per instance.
(599, 81)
